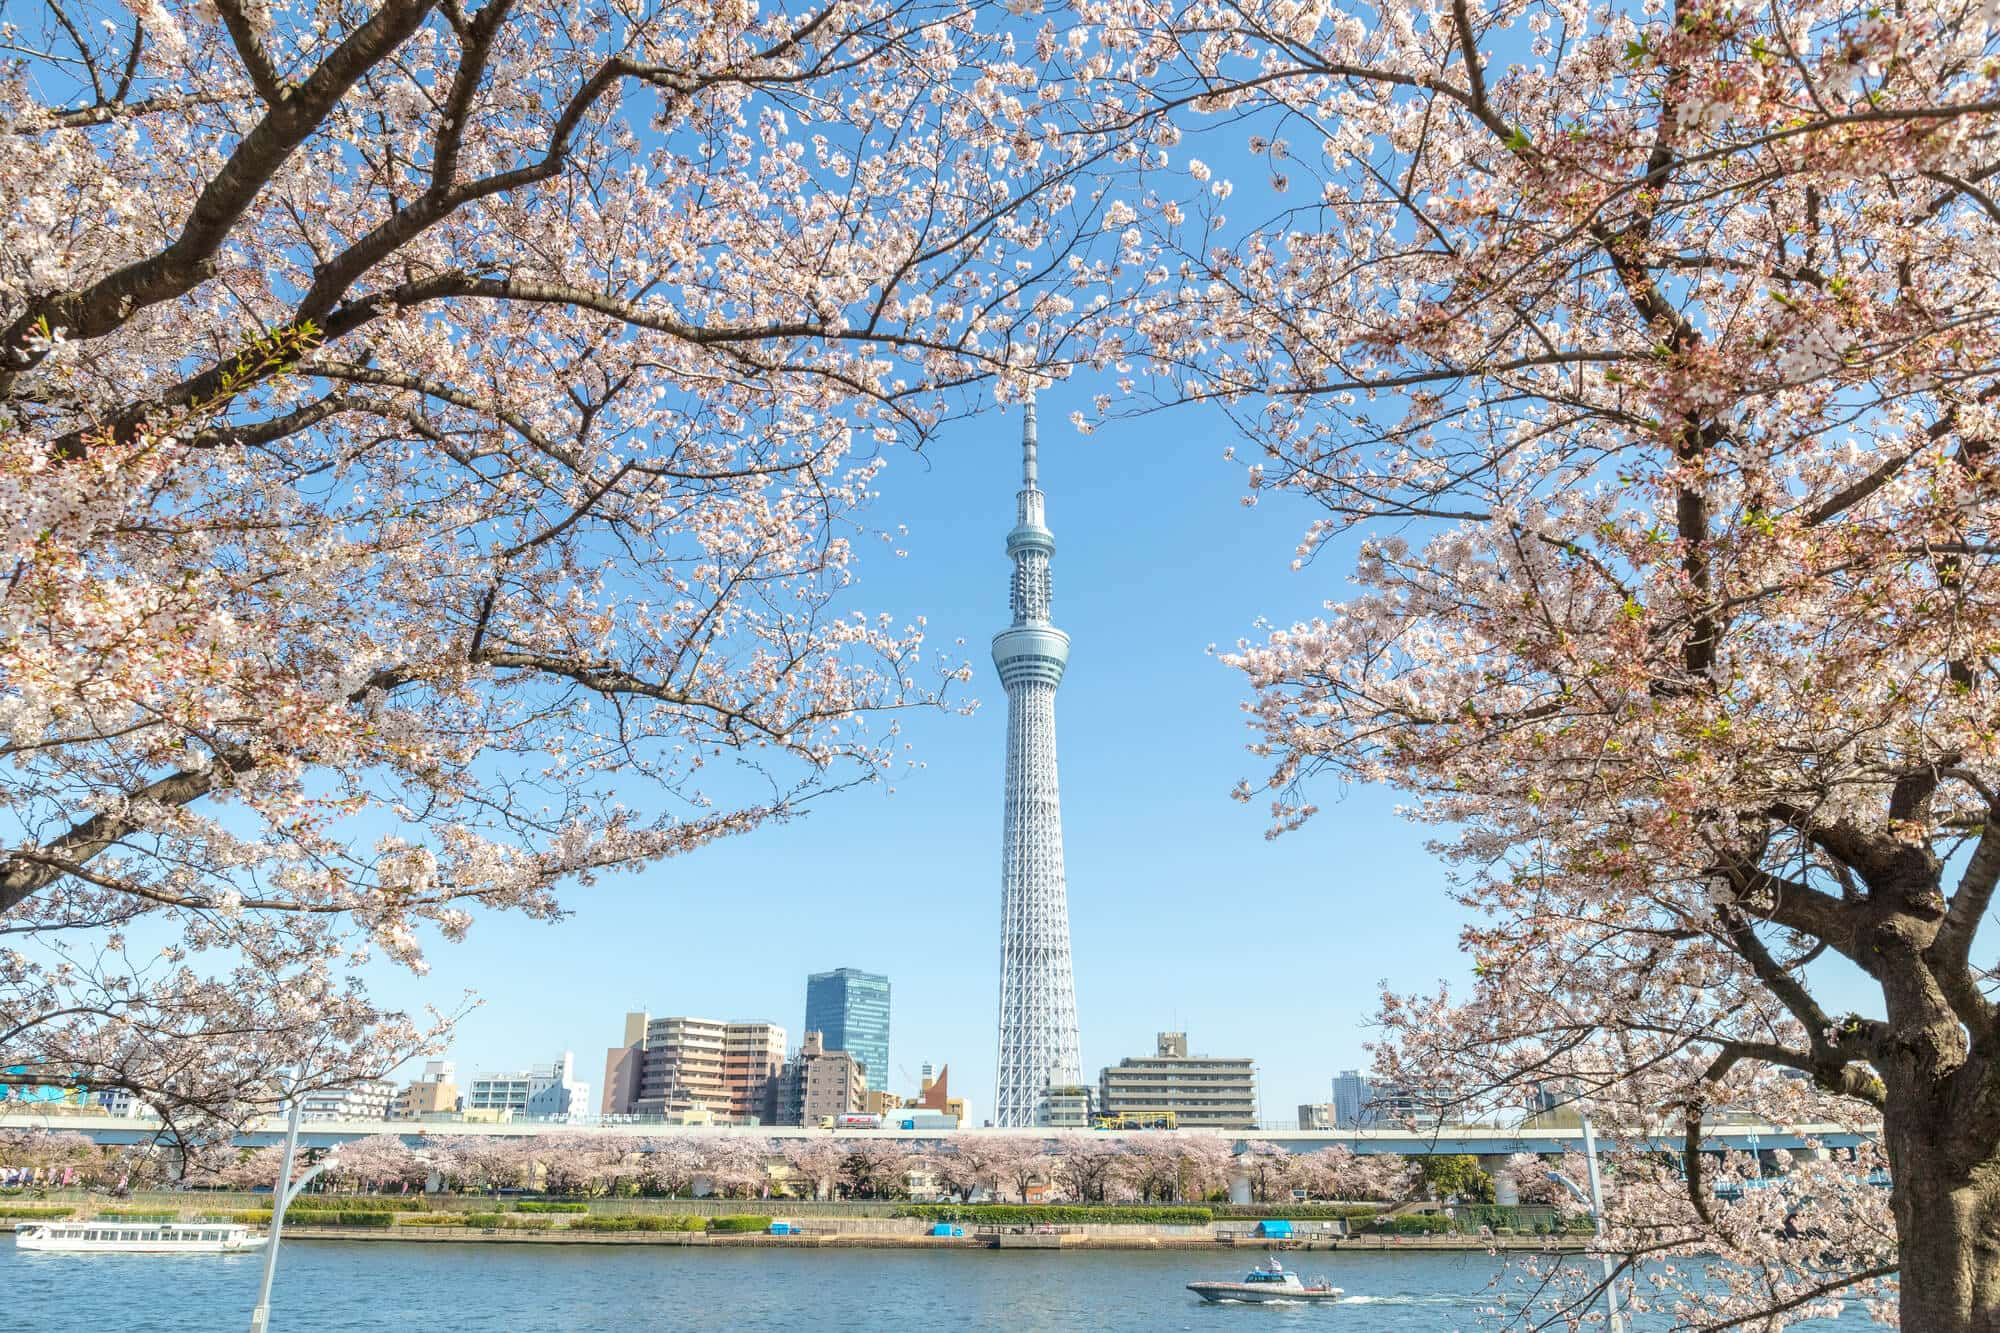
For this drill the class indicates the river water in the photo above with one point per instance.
(359, 1287)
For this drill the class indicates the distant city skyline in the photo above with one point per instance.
(1176, 930)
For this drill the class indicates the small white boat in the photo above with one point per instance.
(1266, 1283)
(137, 1237)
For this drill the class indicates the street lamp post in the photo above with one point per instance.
(1595, 1201)
(282, 1195)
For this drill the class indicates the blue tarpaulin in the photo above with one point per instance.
(1274, 1228)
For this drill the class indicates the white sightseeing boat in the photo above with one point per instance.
(137, 1237)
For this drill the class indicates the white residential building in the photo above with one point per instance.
(544, 1092)
(368, 1100)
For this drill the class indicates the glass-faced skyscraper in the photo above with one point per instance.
(850, 1011)
(1038, 1036)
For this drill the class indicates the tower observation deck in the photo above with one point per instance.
(1038, 1033)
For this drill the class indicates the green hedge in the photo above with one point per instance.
(349, 1219)
(1416, 1224)
(253, 1217)
(357, 1203)
(638, 1222)
(1301, 1212)
(739, 1222)
(33, 1210)
(1055, 1213)
(137, 1214)
(510, 1221)
(551, 1207)
(432, 1220)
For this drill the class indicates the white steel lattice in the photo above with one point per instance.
(1038, 1036)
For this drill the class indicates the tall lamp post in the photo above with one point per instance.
(1595, 1201)
(282, 1195)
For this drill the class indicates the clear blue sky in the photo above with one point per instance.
(1183, 916)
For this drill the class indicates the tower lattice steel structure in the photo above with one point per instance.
(1038, 1039)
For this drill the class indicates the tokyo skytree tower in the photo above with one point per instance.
(1038, 1041)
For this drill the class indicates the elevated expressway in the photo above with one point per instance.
(1477, 1140)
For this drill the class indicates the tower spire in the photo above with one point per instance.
(1038, 1032)
(1028, 446)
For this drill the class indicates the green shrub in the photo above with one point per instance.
(1038, 1215)
(33, 1210)
(739, 1222)
(254, 1217)
(137, 1214)
(552, 1207)
(432, 1220)
(516, 1222)
(482, 1219)
(637, 1222)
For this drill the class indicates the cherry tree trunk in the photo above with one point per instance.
(1948, 1218)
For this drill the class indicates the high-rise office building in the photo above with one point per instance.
(1039, 1047)
(1359, 1103)
(850, 1011)
(1351, 1094)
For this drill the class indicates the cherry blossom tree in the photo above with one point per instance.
(736, 1167)
(818, 1163)
(481, 1161)
(668, 1164)
(1643, 357)
(578, 1163)
(875, 1167)
(52, 1156)
(1271, 1169)
(1176, 1166)
(1083, 1165)
(1019, 1161)
(380, 1162)
(421, 423)
(1341, 1173)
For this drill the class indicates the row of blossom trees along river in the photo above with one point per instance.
(1077, 1167)
(436, 437)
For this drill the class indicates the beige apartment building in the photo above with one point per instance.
(682, 1065)
(436, 1093)
(831, 1083)
(1201, 1091)
(621, 1069)
(753, 1058)
(676, 1065)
